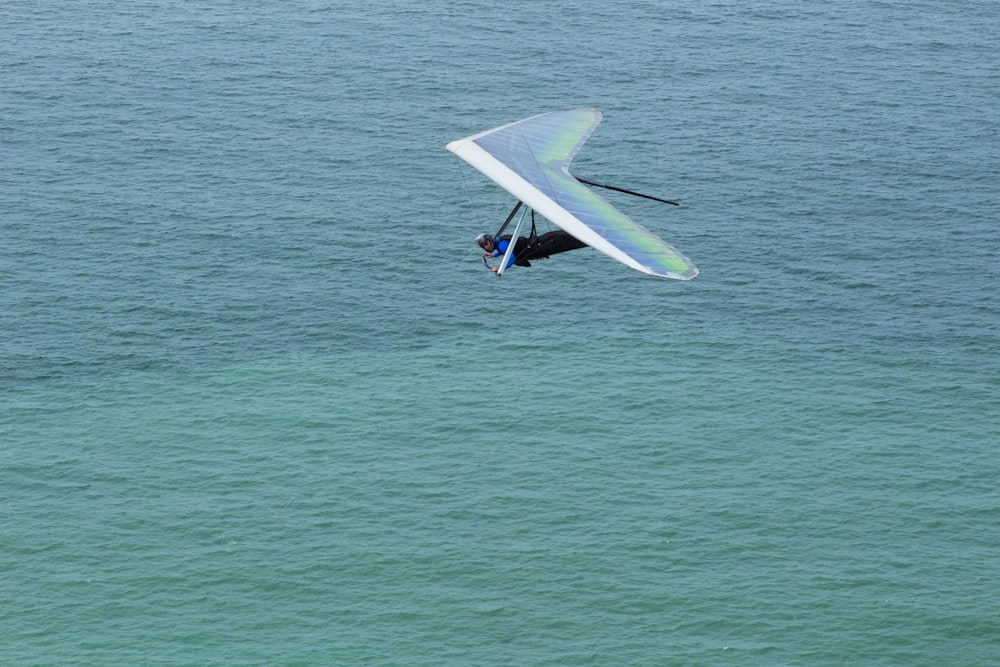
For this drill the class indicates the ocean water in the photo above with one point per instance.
(261, 404)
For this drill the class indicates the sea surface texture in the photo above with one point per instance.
(262, 404)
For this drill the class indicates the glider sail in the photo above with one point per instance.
(530, 160)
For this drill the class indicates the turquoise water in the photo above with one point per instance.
(262, 404)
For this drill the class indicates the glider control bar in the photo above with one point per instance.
(512, 243)
(617, 189)
(509, 218)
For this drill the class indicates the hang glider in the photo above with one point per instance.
(530, 159)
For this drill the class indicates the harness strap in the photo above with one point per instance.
(530, 245)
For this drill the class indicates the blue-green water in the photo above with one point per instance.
(262, 404)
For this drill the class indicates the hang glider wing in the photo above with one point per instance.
(530, 160)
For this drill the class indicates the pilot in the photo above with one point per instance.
(536, 247)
